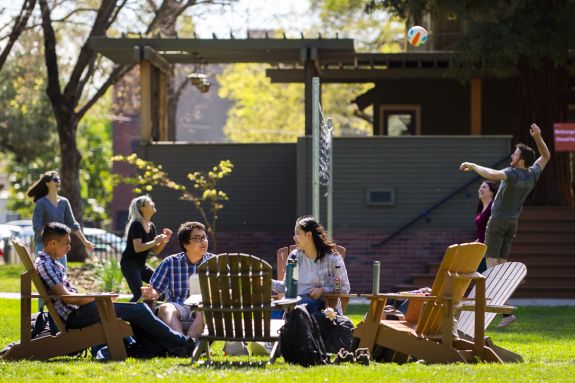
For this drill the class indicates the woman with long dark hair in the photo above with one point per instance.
(486, 192)
(51, 207)
(141, 238)
(317, 260)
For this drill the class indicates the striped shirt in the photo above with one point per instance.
(171, 278)
(53, 273)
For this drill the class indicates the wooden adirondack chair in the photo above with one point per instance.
(500, 283)
(236, 302)
(431, 337)
(281, 261)
(110, 330)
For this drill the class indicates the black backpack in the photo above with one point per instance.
(300, 339)
(336, 334)
(42, 325)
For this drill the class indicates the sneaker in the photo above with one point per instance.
(343, 356)
(236, 348)
(506, 321)
(261, 348)
(362, 356)
(103, 354)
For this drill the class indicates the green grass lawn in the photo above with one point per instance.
(543, 336)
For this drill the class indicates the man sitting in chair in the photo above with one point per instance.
(80, 312)
(172, 279)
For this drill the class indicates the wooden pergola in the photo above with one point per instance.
(155, 54)
(293, 60)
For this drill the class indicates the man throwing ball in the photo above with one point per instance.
(517, 181)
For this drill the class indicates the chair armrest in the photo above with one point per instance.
(93, 295)
(381, 297)
(502, 309)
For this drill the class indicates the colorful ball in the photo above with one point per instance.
(417, 36)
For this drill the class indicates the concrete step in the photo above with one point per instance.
(544, 292)
(543, 226)
(566, 238)
(555, 250)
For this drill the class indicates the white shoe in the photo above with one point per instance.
(506, 321)
(261, 348)
(236, 348)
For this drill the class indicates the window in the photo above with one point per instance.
(400, 120)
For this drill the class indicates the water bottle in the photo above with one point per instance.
(290, 281)
(337, 280)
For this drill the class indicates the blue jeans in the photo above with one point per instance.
(312, 304)
(144, 323)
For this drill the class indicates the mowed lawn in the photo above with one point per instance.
(544, 336)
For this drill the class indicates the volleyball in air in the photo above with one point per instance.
(417, 36)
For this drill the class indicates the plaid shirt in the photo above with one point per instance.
(171, 278)
(53, 273)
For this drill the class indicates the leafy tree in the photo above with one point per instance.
(18, 26)
(149, 175)
(266, 112)
(525, 39)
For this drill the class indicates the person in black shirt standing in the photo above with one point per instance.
(141, 238)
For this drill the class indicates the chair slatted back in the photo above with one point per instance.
(500, 283)
(236, 296)
(282, 256)
(463, 258)
(24, 256)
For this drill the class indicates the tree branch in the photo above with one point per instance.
(19, 25)
(54, 92)
(117, 73)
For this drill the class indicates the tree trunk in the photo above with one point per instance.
(543, 98)
(70, 173)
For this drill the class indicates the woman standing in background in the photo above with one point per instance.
(50, 207)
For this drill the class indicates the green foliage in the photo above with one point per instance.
(148, 175)
(110, 275)
(500, 34)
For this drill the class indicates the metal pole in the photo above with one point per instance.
(330, 183)
(315, 148)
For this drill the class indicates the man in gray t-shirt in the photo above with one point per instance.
(517, 181)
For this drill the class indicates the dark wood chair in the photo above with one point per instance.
(236, 302)
(110, 330)
(331, 299)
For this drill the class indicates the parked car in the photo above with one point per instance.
(106, 245)
(7, 233)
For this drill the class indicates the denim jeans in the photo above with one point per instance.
(144, 323)
(312, 304)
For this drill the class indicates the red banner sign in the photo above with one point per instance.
(564, 137)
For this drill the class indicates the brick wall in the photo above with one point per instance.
(406, 254)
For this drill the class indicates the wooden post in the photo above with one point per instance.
(145, 101)
(476, 108)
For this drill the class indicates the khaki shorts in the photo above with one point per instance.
(186, 313)
(499, 236)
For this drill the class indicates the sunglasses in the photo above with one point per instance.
(56, 179)
(198, 238)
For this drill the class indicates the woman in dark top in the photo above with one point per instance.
(141, 238)
(486, 193)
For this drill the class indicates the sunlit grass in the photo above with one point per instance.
(543, 336)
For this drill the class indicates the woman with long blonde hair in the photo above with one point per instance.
(141, 238)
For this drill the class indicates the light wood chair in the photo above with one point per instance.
(236, 302)
(331, 299)
(431, 338)
(110, 330)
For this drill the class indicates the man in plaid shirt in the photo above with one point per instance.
(79, 312)
(172, 278)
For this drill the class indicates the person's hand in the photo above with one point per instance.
(168, 233)
(316, 293)
(147, 292)
(466, 166)
(535, 131)
(159, 238)
(89, 245)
